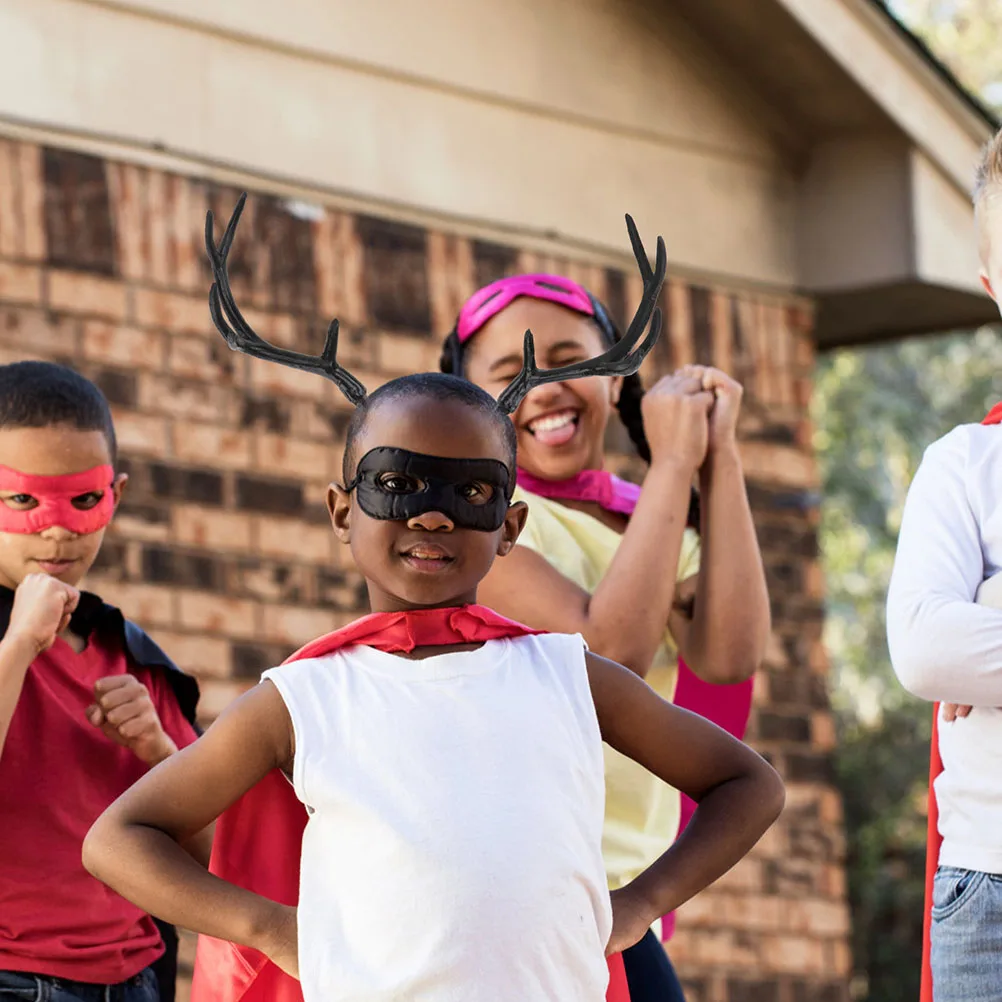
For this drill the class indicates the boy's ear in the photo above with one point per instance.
(118, 487)
(987, 283)
(339, 506)
(514, 523)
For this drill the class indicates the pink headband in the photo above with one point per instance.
(492, 299)
(55, 500)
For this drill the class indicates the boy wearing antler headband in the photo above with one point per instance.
(446, 761)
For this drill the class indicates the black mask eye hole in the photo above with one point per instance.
(477, 492)
(399, 483)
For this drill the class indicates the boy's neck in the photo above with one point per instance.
(380, 601)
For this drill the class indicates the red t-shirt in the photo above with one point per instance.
(57, 774)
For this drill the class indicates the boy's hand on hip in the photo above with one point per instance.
(124, 711)
(955, 711)
(42, 609)
(631, 918)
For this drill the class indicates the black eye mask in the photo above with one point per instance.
(395, 485)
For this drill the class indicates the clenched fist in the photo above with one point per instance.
(42, 609)
(676, 413)
(124, 711)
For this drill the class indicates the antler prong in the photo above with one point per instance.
(622, 358)
(239, 334)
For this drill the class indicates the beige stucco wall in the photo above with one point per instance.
(537, 115)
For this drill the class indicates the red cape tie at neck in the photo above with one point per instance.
(258, 841)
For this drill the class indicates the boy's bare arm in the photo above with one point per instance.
(42, 609)
(739, 795)
(136, 845)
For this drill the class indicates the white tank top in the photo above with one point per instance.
(453, 850)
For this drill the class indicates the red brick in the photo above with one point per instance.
(132, 525)
(722, 948)
(143, 434)
(204, 612)
(119, 345)
(404, 355)
(174, 312)
(20, 283)
(352, 308)
(32, 245)
(77, 292)
(41, 332)
(823, 731)
(199, 654)
(833, 882)
(157, 210)
(185, 227)
(769, 463)
(202, 358)
(210, 445)
(9, 230)
(210, 529)
(793, 955)
(839, 958)
(125, 190)
(147, 604)
(195, 401)
(296, 625)
(278, 455)
(294, 540)
(216, 695)
(269, 377)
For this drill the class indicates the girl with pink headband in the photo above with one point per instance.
(662, 579)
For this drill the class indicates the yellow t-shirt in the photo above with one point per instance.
(641, 812)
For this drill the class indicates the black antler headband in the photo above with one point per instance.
(620, 360)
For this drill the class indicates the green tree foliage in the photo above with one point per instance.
(965, 35)
(875, 411)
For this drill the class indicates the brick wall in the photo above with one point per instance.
(222, 548)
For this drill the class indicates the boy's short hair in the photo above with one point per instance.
(436, 386)
(988, 181)
(40, 394)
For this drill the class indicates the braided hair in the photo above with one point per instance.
(628, 404)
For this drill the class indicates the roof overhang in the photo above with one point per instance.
(888, 142)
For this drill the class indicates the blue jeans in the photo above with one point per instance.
(18, 987)
(966, 937)
(649, 972)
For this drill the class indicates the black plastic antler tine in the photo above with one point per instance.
(346, 382)
(649, 300)
(638, 250)
(239, 334)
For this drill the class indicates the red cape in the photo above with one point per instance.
(934, 840)
(258, 840)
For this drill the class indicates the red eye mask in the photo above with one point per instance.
(55, 501)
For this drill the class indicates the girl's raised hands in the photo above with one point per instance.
(676, 413)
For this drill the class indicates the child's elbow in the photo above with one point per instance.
(773, 794)
(95, 850)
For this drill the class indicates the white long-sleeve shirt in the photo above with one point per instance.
(944, 645)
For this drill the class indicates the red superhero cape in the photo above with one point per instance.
(258, 840)
(933, 839)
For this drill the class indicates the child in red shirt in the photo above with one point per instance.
(88, 703)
